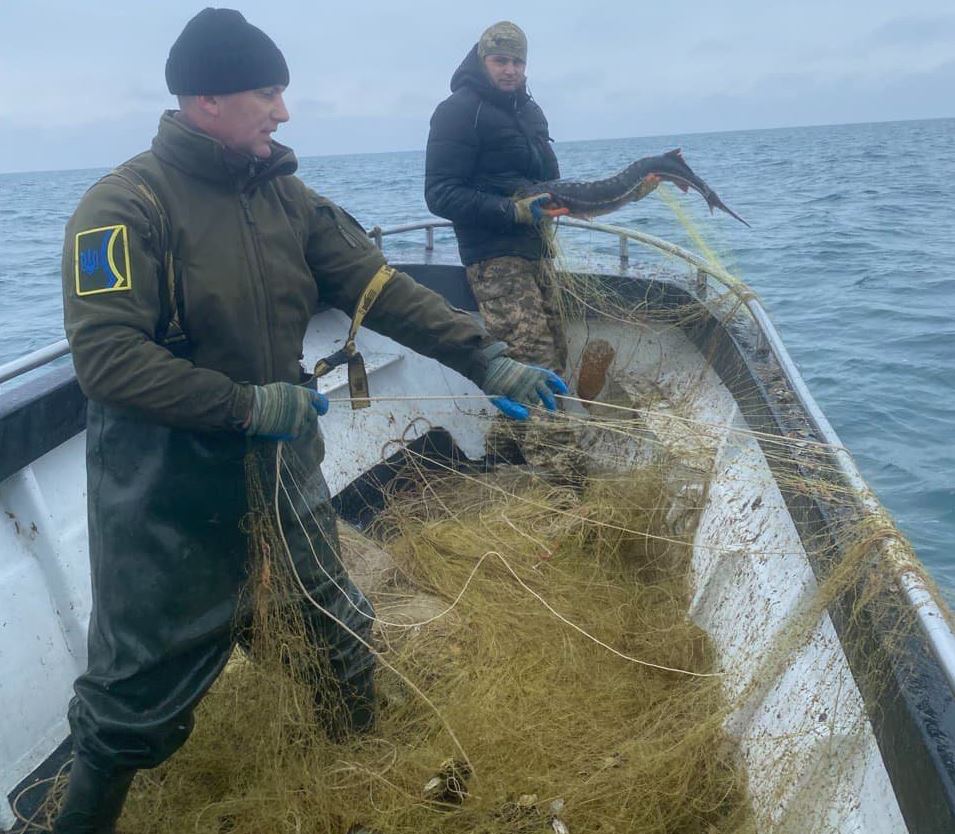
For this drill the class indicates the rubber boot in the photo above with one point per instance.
(94, 800)
(347, 708)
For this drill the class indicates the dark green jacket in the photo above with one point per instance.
(254, 252)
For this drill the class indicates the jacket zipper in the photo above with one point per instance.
(261, 292)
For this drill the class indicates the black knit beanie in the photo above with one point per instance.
(219, 52)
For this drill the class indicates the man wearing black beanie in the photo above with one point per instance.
(190, 274)
(219, 52)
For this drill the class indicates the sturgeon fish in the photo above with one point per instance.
(589, 198)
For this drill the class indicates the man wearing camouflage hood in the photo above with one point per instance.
(487, 140)
(190, 274)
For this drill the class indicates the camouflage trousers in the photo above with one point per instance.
(519, 304)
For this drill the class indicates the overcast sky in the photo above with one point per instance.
(83, 81)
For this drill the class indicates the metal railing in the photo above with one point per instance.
(377, 234)
(703, 268)
(34, 360)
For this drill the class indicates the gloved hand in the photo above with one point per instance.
(514, 385)
(531, 212)
(281, 411)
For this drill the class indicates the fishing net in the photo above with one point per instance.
(695, 633)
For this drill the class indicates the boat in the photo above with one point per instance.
(851, 730)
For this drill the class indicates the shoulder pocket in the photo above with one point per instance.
(350, 230)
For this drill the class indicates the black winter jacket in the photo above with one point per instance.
(484, 145)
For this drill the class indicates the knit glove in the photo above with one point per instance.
(513, 385)
(281, 411)
(530, 211)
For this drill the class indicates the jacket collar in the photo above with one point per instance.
(201, 156)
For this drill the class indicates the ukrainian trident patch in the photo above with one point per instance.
(101, 260)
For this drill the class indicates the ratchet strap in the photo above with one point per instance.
(357, 377)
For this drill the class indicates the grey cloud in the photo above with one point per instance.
(101, 143)
(311, 134)
(149, 96)
(914, 31)
(776, 100)
(312, 106)
(711, 47)
(411, 102)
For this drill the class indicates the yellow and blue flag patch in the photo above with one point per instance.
(101, 258)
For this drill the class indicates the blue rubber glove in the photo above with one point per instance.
(513, 385)
(510, 409)
(281, 411)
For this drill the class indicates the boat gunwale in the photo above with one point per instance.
(921, 695)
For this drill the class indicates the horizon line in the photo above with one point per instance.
(558, 143)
